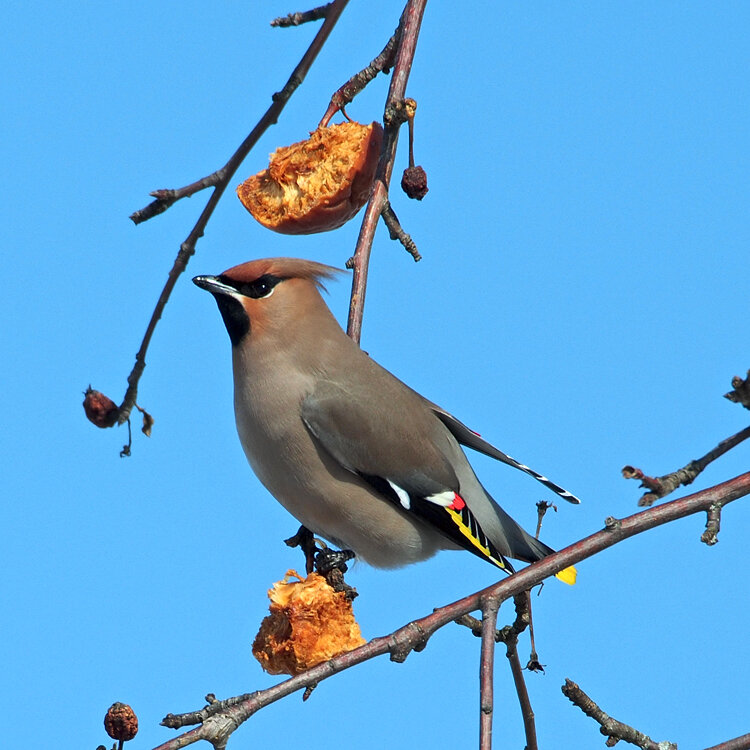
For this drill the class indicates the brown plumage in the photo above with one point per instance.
(353, 453)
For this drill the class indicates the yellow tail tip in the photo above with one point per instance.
(567, 575)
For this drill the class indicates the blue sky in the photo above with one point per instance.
(580, 303)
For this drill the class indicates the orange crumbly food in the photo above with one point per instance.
(309, 624)
(318, 184)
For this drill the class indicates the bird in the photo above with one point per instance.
(352, 452)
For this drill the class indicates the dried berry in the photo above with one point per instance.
(121, 722)
(414, 182)
(318, 184)
(100, 410)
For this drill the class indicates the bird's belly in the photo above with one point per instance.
(331, 501)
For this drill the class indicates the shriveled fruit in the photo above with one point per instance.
(318, 184)
(308, 624)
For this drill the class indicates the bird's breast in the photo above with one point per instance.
(321, 494)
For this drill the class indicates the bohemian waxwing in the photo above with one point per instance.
(354, 454)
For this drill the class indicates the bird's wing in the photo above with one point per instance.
(398, 459)
(473, 440)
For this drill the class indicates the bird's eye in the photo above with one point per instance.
(262, 287)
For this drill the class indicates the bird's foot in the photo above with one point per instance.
(328, 562)
(331, 564)
(327, 559)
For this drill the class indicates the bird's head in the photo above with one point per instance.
(267, 295)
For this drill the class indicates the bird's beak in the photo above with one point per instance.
(214, 285)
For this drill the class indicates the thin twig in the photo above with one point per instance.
(541, 510)
(396, 231)
(527, 712)
(411, 21)
(415, 634)
(490, 607)
(611, 728)
(471, 622)
(220, 182)
(510, 636)
(534, 664)
(381, 64)
(659, 487)
(295, 19)
(166, 197)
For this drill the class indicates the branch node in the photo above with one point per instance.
(407, 639)
(396, 113)
(611, 523)
(713, 523)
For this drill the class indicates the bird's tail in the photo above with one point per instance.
(523, 546)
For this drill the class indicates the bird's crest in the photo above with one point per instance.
(285, 268)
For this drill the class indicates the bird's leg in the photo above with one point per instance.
(305, 540)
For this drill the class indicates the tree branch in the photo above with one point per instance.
(659, 487)
(407, 35)
(738, 743)
(611, 728)
(414, 635)
(219, 181)
(510, 636)
(381, 64)
(490, 607)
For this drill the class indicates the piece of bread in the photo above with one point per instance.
(318, 184)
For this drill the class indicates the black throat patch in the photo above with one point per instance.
(235, 317)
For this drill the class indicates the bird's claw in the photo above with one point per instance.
(326, 559)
